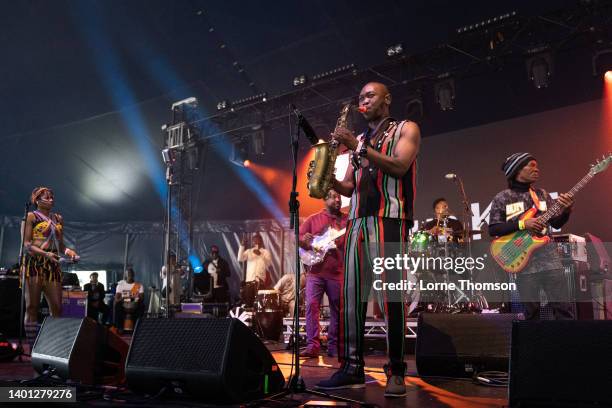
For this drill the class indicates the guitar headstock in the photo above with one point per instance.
(601, 165)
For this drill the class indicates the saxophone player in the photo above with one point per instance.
(381, 184)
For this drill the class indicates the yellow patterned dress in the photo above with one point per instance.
(46, 230)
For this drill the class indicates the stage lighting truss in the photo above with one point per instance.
(539, 66)
(486, 23)
(333, 72)
(444, 92)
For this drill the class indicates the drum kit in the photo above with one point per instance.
(441, 241)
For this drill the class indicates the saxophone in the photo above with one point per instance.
(321, 169)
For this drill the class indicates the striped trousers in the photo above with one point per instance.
(365, 239)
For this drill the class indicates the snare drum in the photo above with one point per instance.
(267, 301)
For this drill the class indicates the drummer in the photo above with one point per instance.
(444, 226)
(129, 295)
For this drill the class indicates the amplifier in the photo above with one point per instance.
(571, 247)
(74, 303)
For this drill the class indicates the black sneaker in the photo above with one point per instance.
(341, 380)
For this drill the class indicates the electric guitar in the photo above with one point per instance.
(320, 245)
(513, 251)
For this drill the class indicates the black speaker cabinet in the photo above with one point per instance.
(561, 364)
(459, 345)
(80, 349)
(217, 360)
(67, 345)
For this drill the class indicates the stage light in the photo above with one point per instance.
(414, 107)
(259, 142)
(240, 153)
(540, 68)
(608, 76)
(246, 163)
(167, 156)
(602, 62)
(445, 94)
(395, 50)
(300, 80)
(221, 105)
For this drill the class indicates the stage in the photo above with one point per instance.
(422, 392)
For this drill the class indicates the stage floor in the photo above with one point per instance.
(422, 392)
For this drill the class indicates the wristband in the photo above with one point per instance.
(521, 224)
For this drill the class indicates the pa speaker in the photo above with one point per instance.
(561, 364)
(79, 349)
(217, 360)
(67, 346)
(460, 345)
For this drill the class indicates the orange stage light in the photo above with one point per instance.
(608, 76)
(247, 163)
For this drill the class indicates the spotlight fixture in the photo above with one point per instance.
(414, 108)
(300, 80)
(395, 50)
(166, 156)
(444, 92)
(240, 153)
(332, 72)
(259, 142)
(486, 23)
(539, 67)
(221, 105)
(602, 61)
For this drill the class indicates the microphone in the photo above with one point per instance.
(450, 176)
(306, 128)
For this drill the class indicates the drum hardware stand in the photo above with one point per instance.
(467, 230)
(296, 383)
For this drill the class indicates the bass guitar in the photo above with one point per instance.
(513, 251)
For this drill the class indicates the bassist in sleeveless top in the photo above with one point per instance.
(544, 270)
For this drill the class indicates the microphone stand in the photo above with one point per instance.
(467, 224)
(22, 277)
(296, 384)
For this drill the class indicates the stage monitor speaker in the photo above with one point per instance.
(67, 345)
(561, 364)
(80, 349)
(215, 360)
(460, 345)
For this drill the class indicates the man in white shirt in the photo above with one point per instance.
(128, 292)
(258, 260)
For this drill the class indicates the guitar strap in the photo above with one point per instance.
(535, 199)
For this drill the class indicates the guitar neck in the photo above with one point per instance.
(557, 208)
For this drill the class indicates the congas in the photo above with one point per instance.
(129, 310)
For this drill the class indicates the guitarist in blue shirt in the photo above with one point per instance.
(544, 269)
